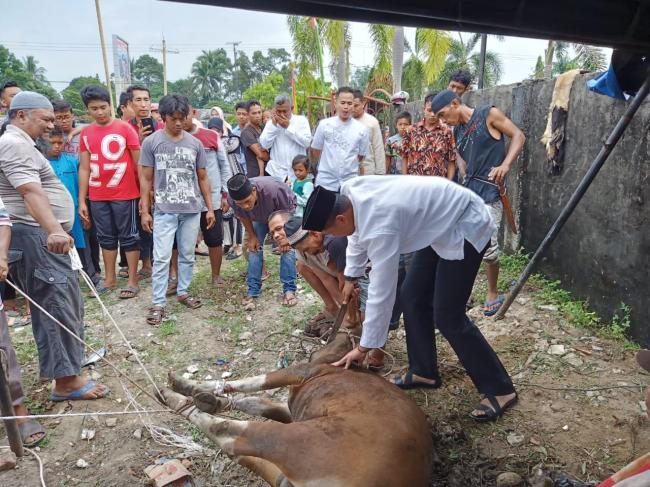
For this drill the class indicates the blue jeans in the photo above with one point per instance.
(256, 262)
(166, 226)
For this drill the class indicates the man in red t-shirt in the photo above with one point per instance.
(108, 176)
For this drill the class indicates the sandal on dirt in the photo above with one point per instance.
(494, 412)
(155, 315)
(76, 395)
(289, 299)
(123, 272)
(172, 284)
(129, 292)
(490, 308)
(29, 429)
(232, 255)
(190, 302)
(142, 274)
(18, 321)
(406, 382)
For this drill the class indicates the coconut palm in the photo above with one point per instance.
(210, 73)
(382, 70)
(33, 70)
(336, 35)
(560, 57)
(398, 57)
(463, 54)
(426, 61)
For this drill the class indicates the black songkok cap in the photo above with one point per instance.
(318, 209)
(294, 231)
(239, 187)
(442, 99)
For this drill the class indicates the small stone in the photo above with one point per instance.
(556, 350)
(229, 308)
(590, 393)
(547, 307)
(596, 348)
(297, 332)
(187, 375)
(573, 359)
(247, 335)
(515, 439)
(94, 375)
(226, 374)
(87, 434)
(7, 461)
(192, 369)
(565, 427)
(207, 377)
(643, 406)
(111, 422)
(509, 479)
(249, 307)
(81, 463)
(247, 352)
(556, 408)
(137, 434)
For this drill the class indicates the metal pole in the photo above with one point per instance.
(579, 192)
(164, 53)
(7, 409)
(235, 72)
(481, 66)
(101, 40)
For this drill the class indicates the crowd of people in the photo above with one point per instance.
(402, 223)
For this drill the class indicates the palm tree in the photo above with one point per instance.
(560, 57)
(210, 72)
(464, 55)
(382, 72)
(33, 70)
(426, 61)
(398, 57)
(336, 34)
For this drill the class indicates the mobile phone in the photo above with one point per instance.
(149, 122)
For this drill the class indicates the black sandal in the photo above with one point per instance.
(494, 412)
(407, 382)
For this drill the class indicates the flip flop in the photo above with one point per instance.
(407, 382)
(123, 273)
(190, 302)
(129, 292)
(494, 412)
(142, 274)
(18, 321)
(172, 285)
(155, 315)
(289, 302)
(76, 395)
(497, 302)
(232, 256)
(29, 429)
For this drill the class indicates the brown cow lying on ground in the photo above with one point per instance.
(343, 428)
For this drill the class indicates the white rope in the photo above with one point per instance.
(89, 413)
(73, 335)
(40, 464)
(119, 330)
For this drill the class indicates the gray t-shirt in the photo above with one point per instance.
(21, 163)
(175, 182)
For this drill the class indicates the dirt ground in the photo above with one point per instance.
(579, 411)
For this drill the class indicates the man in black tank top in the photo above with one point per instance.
(479, 134)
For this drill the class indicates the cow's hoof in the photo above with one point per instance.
(179, 384)
(174, 400)
(209, 403)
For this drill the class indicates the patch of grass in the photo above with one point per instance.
(167, 328)
(26, 351)
(576, 311)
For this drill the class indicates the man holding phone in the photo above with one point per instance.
(140, 103)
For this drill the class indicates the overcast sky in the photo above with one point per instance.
(62, 35)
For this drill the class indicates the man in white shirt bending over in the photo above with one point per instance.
(285, 136)
(375, 161)
(449, 228)
(341, 144)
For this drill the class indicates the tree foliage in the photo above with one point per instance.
(71, 92)
(26, 73)
(265, 91)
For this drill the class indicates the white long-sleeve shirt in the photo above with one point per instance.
(375, 161)
(285, 144)
(395, 215)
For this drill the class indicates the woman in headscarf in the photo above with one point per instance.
(218, 112)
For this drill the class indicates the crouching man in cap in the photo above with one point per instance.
(449, 228)
(254, 200)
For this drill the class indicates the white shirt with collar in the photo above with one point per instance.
(375, 161)
(395, 215)
(341, 144)
(284, 144)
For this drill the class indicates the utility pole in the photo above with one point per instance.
(481, 68)
(164, 51)
(234, 56)
(101, 40)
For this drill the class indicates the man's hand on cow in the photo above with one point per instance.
(498, 174)
(354, 357)
(349, 288)
(59, 243)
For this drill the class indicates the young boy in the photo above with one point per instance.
(65, 120)
(173, 163)
(108, 175)
(403, 122)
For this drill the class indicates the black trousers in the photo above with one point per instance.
(435, 291)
